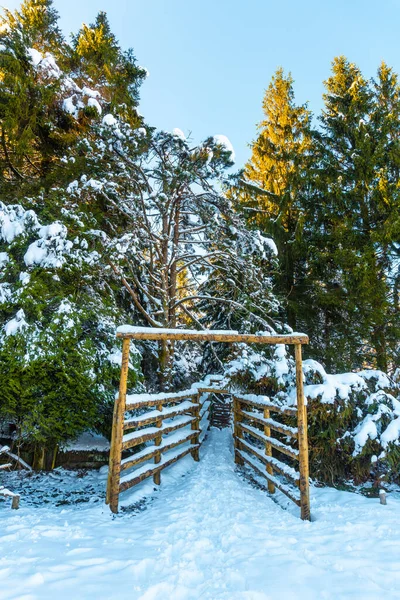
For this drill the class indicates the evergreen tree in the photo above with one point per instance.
(348, 259)
(58, 354)
(98, 58)
(37, 20)
(279, 172)
(58, 308)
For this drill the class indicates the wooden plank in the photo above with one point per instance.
(273, 463)
(291, 412)
(135, 480)
(205, 407)
(146, 437)
(303, 438)
(204, 336)
(157, 442)
(285, 430)
(166, 414)
(154, 401)
(237, 417)
(112, 494)
(137, 460)
(15, 498)
(268, 450)
(195, 425)
(276, 444)
(276, 483)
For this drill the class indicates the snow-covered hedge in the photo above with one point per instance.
(354, 418)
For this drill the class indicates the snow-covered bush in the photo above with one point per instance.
(59, 362)
(354, 418)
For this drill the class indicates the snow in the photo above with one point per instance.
(16, 324)
(364, 431)
(4, 259)
(109, 120)
(133, 329)
(334, 386)
(382, 380)
(69, 106)
(206, 533)
(91, 93)
(93, 102)
(179, 133)
(391, 433)
(222, 140)
(155, 414)
(35, 56)
(133, 399)
(24, 277)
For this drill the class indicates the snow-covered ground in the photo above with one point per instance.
(206, 534)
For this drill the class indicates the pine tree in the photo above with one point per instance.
(279, 173)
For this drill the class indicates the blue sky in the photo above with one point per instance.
(211, 60)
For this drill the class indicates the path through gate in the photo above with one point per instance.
(176, 423)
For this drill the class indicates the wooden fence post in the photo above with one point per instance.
(196, 426)
(157, 442)
(117, 433)
(302, 437)
(237, 431)
(268, 451)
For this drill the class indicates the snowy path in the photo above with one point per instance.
(211, 536)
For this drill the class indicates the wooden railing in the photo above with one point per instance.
(174, 423)
(265, 444)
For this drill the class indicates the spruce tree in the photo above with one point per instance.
(348, 258)
(114, 73)
(278, 172)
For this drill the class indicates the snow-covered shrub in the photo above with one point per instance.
(59, 361)
(354, 418)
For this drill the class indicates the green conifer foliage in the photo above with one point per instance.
(279, 172)
(59, 300)
(351, 244)
(114, 73)
(38, 20)
(59, 360)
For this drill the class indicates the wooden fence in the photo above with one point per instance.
(180, 419)
(257, 434)
(174, 423)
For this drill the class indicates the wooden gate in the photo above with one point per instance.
(176, 412)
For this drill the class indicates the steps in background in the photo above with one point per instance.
(221, 412)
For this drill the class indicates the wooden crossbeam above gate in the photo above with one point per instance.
(153, 333)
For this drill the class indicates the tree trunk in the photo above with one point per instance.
(53, 461)
(379, 343)
(165, 365)
(39, 458)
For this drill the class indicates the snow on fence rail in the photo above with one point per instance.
(185, 415)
